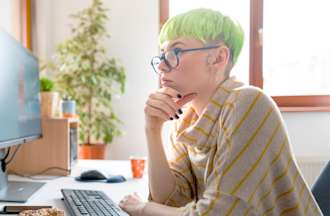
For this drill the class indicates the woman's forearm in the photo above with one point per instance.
(161, 179)
(155, 209)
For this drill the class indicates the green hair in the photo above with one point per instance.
(207, 26)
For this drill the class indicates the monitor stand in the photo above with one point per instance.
(15, 191)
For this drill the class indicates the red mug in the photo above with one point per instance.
(137, 166)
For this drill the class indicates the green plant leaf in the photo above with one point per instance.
(46, 85)
(87, 75)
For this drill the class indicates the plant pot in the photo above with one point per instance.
(49, 101)
(92, 151)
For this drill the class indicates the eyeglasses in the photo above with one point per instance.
(171, 58)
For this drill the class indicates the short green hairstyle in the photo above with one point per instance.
(206, 25)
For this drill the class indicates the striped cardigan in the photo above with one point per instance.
(236, 159)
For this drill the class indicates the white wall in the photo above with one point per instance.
(309, 133)
(134, 27)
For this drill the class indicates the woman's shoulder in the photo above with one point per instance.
(246, 96)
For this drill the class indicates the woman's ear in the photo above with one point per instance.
(211, 59)
(221, 57)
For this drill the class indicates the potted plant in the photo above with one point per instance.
(88, 76)
(48, 97)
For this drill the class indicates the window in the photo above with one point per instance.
(297, 78)
(15, 18)
(296, 47)
(286, 50)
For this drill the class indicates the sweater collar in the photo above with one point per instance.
(195, 130)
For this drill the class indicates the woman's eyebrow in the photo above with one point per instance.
(174, 44)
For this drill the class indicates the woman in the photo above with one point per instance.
(230, 151)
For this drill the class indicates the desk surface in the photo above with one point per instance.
(50, 193)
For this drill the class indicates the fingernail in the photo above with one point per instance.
(179, 96)
(176, 116)
(171, 118)
(180, 111)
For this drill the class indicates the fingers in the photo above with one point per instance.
(187, 98)
(132, 198)
(172, 93)
(165, 98)
(123, 202)
(151, 111)
(162, 103)
(137, 196)
(166, 105)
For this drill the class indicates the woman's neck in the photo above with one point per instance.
(203, 98)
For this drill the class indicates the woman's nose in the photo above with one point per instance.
(162, 67)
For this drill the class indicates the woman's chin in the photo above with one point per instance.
(184, 92)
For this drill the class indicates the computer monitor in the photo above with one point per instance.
(19, 111)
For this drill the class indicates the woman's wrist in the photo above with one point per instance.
(155, 209)
(153, 129)
(143, 209)
(147, 209)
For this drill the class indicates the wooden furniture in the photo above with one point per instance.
(56, 150)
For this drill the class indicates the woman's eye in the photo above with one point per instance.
(177, 50)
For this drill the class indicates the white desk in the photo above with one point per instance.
(50, 193)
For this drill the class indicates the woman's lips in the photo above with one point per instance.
(165, 82)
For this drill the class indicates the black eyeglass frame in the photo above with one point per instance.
(176, 52)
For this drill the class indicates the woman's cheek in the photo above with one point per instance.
(187, 75)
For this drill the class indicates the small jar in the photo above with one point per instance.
(68, 108)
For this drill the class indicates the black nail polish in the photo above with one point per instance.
(180, 111)
(179, 96)
(176, 116)
(171, 118)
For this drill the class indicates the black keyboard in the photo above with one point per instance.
(90, 203)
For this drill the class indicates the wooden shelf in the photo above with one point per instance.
(52, 150)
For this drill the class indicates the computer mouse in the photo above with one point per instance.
(92, 175)
(116, 179)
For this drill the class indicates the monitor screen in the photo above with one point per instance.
(19, 93)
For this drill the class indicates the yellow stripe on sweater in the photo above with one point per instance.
(215, 103)
(232, 207)
(180, 157)
(252, 105)
(249, 142)
(288, 210)
(207, 116)
(202, 131)
(283, 194)
(276, 158)
(191, 139)
(275, 181)
(177, 151)
(217, 197)
(254, 166)
(224, 89)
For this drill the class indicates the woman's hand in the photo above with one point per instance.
(161, 107)
(132, 204)
(164, 105)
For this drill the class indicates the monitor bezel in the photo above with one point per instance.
(32, 137)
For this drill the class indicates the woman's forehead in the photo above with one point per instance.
(169, 44)
(184, 42)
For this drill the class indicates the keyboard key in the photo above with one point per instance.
(90, 202)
